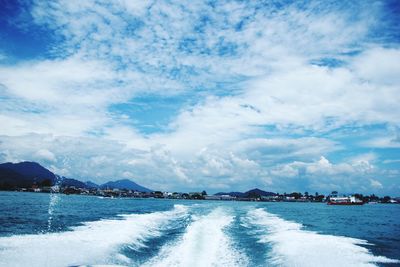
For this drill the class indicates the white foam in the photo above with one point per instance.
(93, 243)
(294, 246)
(204, 243)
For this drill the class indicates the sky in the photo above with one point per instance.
(216, 95)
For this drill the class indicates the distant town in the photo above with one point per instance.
(251, 195)
(32, 177)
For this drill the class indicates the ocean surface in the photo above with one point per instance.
(70, 230)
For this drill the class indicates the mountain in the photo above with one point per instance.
(253, 193)
(72, 182)
(256, 193)
(124, 184)
(30, 169)
(10, 179)
(24, 174)
(91, 185)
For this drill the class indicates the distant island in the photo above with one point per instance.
(32, 177)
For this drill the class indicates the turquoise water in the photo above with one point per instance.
(60, 230)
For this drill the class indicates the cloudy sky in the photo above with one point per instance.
(216, 95)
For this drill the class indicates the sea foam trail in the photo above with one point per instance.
(93, 243)
(293, 246)
(204, 243)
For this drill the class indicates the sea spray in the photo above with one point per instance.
(53, 201)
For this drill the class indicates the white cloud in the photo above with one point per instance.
(379, 65)
(391, 161)
(376, 184)
(324, 175)
(382, 142)
(71, 81)
(45, 155)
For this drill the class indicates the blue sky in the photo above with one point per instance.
(215, 95)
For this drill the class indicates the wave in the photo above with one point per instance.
(94, 243)
(293, 246)
(204, 243)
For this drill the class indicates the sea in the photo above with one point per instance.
(38, 229)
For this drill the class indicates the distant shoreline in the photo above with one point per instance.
(184, 199)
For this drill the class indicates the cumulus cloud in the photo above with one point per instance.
(45, 155)
(322, 174)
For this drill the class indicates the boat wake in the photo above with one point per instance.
(183, 237)
(94, 243)
(293, 246)
(204, 243)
